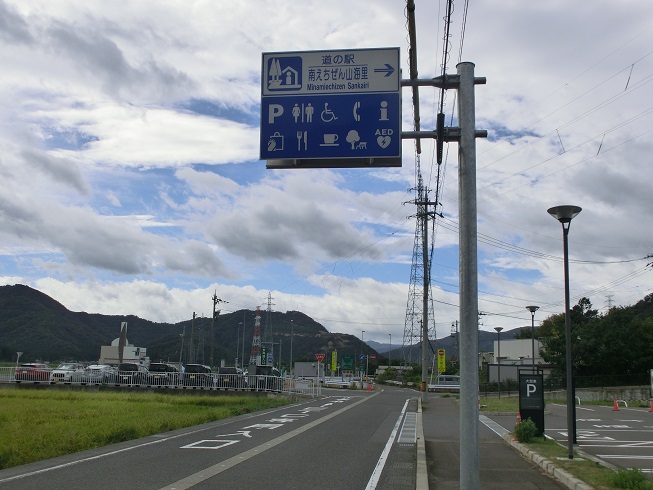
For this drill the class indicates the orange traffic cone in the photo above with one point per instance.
(615, 408)
(369, 386)
(518, 418)
(651, 409)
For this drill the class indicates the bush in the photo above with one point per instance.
(525, 430)
(632, 479)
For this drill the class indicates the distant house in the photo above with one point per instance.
(516, 356)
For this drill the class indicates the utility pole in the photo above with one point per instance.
(468, 235)
(466, 136)
(191, 349)
(423, 215)
(216, 300)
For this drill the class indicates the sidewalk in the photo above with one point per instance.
(500, 467)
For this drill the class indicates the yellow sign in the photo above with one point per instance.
(442, 361)
(334, 361)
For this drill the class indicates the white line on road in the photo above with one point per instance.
(493, 426)
(136, 446)
(376, 474)
(218, 468)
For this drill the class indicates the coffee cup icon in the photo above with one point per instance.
(330, 139)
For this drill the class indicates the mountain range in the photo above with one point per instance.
(43, 329)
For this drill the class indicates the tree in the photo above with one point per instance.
(611, 348)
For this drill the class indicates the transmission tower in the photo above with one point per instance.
(420, 296)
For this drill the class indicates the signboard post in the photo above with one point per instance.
(326, 109)
(442, 361)
(531, 399)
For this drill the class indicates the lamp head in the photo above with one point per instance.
(532, 309)
(565, 213)
(498, 329)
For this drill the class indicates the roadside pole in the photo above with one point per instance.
(469, 430)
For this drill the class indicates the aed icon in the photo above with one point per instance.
(384, 132)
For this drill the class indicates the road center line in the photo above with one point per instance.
(218, 468)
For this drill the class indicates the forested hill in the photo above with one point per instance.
(43, 329)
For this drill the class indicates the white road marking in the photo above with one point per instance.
(218, 468)
(376, 474)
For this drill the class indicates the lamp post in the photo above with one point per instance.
(362, 342)
(390, 351)
(533, 309)
(498, 329)
(242, 358)
(292, 337)
(238, 341)
(564, 214)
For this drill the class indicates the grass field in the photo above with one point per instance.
(41, 424)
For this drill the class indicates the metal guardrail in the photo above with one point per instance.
(201, 381)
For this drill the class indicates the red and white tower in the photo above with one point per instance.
(255, 355)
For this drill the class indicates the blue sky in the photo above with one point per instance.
(129, 151)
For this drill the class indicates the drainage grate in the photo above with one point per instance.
(408, 434)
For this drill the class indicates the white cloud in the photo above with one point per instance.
(129, 158)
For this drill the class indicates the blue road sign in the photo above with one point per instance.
(331, 108)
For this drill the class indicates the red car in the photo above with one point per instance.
(33, 371)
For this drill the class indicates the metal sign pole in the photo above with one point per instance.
(469, 431)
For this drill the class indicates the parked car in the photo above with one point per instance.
(197, 375)
(131, 373)
(96, 373)
(265, 378)
(32, 371)
(230, 377)
(163, 374)
(64, 372)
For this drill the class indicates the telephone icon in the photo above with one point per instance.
(357, 116)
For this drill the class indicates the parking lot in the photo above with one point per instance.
(622, 438)
(201, 379)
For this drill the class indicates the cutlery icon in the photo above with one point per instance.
(302, 135)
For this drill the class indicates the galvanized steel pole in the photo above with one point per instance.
(469, 430)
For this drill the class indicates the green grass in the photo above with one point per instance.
(504, 404)
(41, 424)
(595, 475)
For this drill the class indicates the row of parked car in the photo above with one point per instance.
(127, 373)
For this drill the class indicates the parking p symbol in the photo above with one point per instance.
(274, 111)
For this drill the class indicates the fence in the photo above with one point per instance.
(201, 381)
(555, 383)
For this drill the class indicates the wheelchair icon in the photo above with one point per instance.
(327, 114)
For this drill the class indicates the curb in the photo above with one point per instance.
(422, 476)
(556, 472)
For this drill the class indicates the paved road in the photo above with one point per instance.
(500, 466)
(333, 442)
(623, 438)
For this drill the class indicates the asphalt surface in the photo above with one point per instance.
(500, 466)
(383, 439)
(622, 437)
(333, 442)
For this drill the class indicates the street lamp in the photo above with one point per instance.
(565, 214)
(390, 351)
(533, 309)
(361, 356)
(292, 337)
(238, 341)
(242, 358)
(498, 329)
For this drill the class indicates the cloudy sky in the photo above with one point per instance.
(132, 184)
